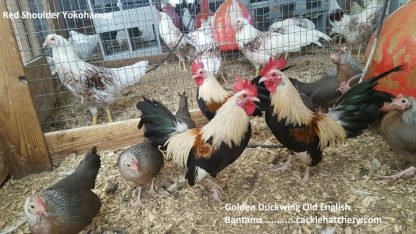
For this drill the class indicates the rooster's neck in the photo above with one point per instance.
(212, 91)
(287, 104)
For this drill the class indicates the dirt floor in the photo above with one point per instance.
(347, 174)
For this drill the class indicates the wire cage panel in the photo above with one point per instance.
(131, 32)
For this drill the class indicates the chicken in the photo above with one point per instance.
(69, 205)
(140, 164)
(182, 113)
(259, 46)
(357, 28)
(398, 129)
(210, 94)
(84, 45)
(96, 86)
(207, 52)
(171, 35)
(205, 14)
(298, 21)
(207, 150)
(187, 21)
(306, 133)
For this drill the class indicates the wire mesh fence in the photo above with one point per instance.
(82, 57)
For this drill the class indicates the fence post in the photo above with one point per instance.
(21, 137)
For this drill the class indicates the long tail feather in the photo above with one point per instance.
(359, 107)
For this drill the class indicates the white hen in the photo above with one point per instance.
(298, 21)
(357, 28)
(187, 21)
(96, 86)
(259, 46)
(84, 45)
(171, 35)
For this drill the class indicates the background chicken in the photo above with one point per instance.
(96, 86)
(207, 150)
(69, 205)
(187, 21)
(259, 46)
(398, 129)
(357, 28)
(306, 133)
(182, 113)
(207, 52)
(84, 45)
(171, 35)
(140, 164)
(210, 94)
(297, 21)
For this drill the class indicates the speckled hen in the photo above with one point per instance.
(69, 205)
(96, 86)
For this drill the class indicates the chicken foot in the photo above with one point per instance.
(110, 119)
(217, 192)
(307, 175)
(152, 188)
(284, 167)
(94, 119)
(409, 172)
(138, 202)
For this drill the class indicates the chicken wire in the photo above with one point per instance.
(132, 34)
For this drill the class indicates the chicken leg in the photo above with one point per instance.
(94, 119)
(409, 172)
(138, 202)
(257, 70)
(152, 188)
(215, 188)
(110, 119)
(284, 167)
(307, 175)
(286, 55)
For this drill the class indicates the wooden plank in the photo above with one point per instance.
(21, 136)
(3, 169)
(41, 86)
(106, 136)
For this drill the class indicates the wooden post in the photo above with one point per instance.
(21, 136)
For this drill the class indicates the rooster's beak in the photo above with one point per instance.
(263, 79)
(255, 99)
(45, 44)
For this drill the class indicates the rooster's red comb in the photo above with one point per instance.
(244, 84)
(273, 63)
(196, 65)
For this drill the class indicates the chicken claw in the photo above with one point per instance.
(215, 189)
(408, 173)
(284, 167)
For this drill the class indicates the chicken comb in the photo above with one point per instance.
(196, 65)
(273, 63)
(244, 84)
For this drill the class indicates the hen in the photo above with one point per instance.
(398, 129)
(171, 35)
(187, 21)
(357, 28)
(207, 150)
(140, 164)
(297, 21)
(306, 133)
(259, 46)
(84, 45)
(182, 113)
(96, 86)
(69, 205)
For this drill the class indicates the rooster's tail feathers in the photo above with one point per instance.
(359, 107)
(159, 122)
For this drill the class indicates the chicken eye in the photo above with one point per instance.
(32, 206)
(403, 101)
(128, 164)
(244, 95)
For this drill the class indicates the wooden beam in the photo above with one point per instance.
(105, 136)
(21, 136)
(3, 170)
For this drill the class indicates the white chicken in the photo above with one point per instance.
(357, 28)
(84, 45)
(207, 53)
(298, 21)
(96, 86)
(259, 46)
(171, 35)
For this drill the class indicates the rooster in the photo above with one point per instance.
(210, 94)
(398, 129)
(171, 35)
(97, 86)
(207, 150)
(259, 46)
(306, 133)
(357, 28)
